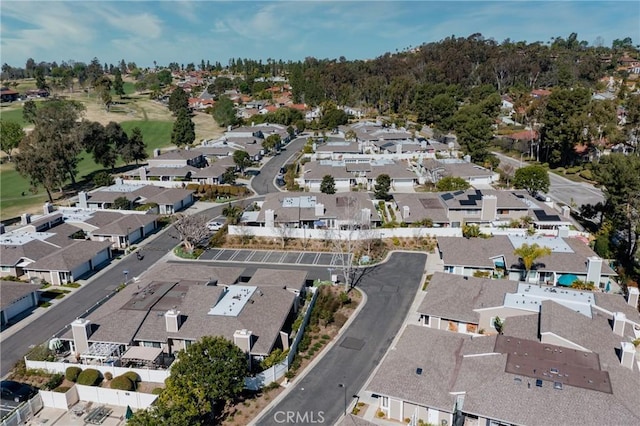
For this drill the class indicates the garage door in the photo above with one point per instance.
(101, 257)
(19, 306)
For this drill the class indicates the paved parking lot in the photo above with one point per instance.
(276, 256)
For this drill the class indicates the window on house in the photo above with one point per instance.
(384, 402)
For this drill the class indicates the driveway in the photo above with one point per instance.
(564, 190)
(317, 397)
(263, 182)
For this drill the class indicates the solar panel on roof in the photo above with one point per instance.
(447, 196)
(468, 203)
(544, 217)
(539, 383)
(458, 193)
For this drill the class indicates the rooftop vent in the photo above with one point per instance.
(419, 371)
(557, 385)
(539, 383)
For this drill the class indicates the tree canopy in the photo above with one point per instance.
(184, 130)
(382, 187)
(224, 113)
(205, 376)
(534, 179)
(328, 185)
(452, 183)
(242, 159)
(528, 255)
(178, 101)
(11, 134)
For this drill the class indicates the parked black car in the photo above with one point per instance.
(18, 392)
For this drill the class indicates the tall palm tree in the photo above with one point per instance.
(233, 213)
(528, 255)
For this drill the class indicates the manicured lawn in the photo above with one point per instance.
(157, 134)
(128, 87)
(14, 114)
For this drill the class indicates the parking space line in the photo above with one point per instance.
(217, 255)
(284, 255)
(299, 257)
(234, 255)
(315, 259)
(250, 257)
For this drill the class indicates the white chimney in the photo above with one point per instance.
(82, 200)
(628, 355)
(365, 215)
(566, 211)
(405, 212)
(2, 230)
(284, 338)
(47, 208)
(399, 148)
(25, 219)
(172, 320)
(319, 209)
(143, 173)
(269, 218)
(118, 181)
(253, 124)
(632, 297)
(563, 232)
(242, 339)
(156, 152)
(80, 332)
(229, 128)
(594, 269)
(489, 207)
(619, 320)
(314, 146)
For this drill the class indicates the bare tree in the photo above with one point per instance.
(508, 170)
(283, 232)
(245, 233)
(192, 230)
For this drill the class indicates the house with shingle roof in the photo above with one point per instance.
(564, 350)
(175, 304)
(569, 256)
(169, 200)
(349, 174)
(321, 211)
(17, 297)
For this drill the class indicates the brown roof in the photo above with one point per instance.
(125, 224)
(68, 258)
(294, 279)
(10, 255)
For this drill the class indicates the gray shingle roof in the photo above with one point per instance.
(12, 291)
(294, 279)
(10, 255)
(125, 223)
(68, 258)
(469, 293)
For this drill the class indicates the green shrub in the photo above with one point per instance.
(54, 381)
(157, 391)
(89, 377)
(72, 373)
(62, 389)
(121, 383)
(573, 170)
(133, 376)
(586, 174)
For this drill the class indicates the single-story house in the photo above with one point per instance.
(177, 158)
(495, 255)
(17, 297)
(169, 200)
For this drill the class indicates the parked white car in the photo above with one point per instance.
(214, 225)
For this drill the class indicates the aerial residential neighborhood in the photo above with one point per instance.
(438, 231)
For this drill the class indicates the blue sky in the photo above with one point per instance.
(183, 32)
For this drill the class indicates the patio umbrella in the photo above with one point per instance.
(55, 344)
(567, 279)
(129, 413)
(607, 289)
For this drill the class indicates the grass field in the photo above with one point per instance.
(157, 134)
(14, 114)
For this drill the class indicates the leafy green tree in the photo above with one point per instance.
(102, 85)
(233, 213)
(207, 375)
(121, 203)
(382, 187)
(11, 134)
(242, 160)
(118, 84)
(328, 185)
(164, 77)
(534, 179)
(178, 101)
(37, 162)
(229, 176)
(94, 139)
(103, 179)
(29, 111)
(564, 121)
(474, 132)
(452, 183)
(184, 131)
(528, 254)
(135, 148)
(470, 231)
(333, 117)
(41, 83)
(224, 113)
(619, 177)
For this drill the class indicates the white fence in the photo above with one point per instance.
(60, 400)
(275, 372)
(135, 400)
(146, 375)
(329, 234)
(23, 412)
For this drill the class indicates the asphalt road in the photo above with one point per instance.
(564, 190)
(263, 182)
(317, 398)
(62, 314)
